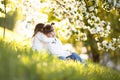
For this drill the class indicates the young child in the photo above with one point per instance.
(56, 48)
(39, 38)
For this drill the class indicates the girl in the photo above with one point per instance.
(39, 39)
(56, 48)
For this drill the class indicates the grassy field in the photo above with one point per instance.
(19, 62)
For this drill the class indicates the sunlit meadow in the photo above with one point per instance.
(19, 62)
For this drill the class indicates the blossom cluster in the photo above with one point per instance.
(73, 13)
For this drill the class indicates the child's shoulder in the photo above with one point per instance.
(39, 33)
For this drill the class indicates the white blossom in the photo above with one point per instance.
(114, 39)
(91, 8)
(118, 46)
(105, 43)
(119, 19)
(96, 38)
(99, 46)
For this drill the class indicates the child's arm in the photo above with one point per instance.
(42, 37)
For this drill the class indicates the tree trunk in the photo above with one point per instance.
(96, 57)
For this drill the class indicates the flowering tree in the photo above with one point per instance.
(8, 13)
(5, 4)
(109, 5)
(79, 20)
(80, 17)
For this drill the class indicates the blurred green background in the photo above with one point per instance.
(19, 18)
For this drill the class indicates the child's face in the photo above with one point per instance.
(51, 34)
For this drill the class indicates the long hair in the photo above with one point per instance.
(38, 27)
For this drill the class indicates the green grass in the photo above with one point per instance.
(19, 62)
